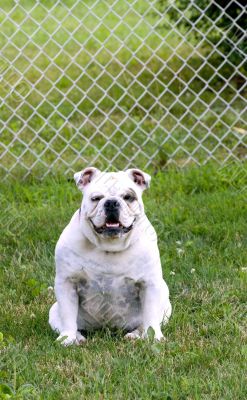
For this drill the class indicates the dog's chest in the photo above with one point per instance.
(108, 300)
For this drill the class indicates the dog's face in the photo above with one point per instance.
(112, 201)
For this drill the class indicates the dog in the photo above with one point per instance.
(108, 270)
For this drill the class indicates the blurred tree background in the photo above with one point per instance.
(222, 23)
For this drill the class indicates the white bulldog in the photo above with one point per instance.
(108, 270)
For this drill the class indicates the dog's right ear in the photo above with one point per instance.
(84, 177)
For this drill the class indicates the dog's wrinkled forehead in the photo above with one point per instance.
(110, 183)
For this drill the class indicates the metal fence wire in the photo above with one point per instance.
(121, 83)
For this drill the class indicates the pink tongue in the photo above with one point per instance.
(112, 224)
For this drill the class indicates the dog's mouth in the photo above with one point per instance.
(112, 228)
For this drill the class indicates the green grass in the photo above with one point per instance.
(45, 56)
(200, 211)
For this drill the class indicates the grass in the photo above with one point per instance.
(102, 74)
(200, 216)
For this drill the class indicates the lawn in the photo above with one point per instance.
(200, 215)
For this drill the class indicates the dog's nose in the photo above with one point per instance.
(111, 205)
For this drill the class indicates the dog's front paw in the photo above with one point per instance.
(67, 338)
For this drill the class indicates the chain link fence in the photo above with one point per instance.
(121, 83)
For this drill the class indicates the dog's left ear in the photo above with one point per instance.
(142, 179)
(84, 177)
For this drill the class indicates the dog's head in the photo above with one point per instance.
(112, 203)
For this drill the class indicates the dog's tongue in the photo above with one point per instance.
(112, 224)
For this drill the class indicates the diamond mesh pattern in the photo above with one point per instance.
(116, 83)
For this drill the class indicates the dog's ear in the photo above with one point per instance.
(84, 177)
(142, 179)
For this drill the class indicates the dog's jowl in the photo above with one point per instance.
(108, 270)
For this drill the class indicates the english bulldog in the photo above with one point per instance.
(108, 270)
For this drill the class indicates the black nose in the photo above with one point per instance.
(112, 210)
(111, 205)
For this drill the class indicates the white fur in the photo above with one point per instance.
(107, 274)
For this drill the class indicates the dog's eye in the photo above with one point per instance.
(96, 198)
(129, 197)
